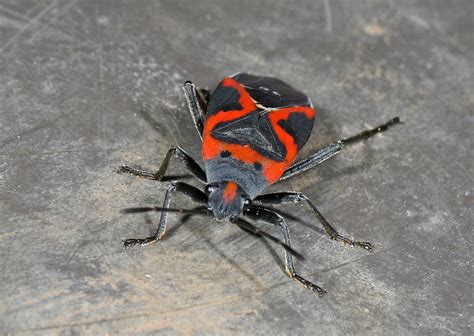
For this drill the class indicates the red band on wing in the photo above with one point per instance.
(273, 170)
(211, 147)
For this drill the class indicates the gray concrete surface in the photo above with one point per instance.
(89, 85)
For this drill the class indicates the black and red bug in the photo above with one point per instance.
(252, 129)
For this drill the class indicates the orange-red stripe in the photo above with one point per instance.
(230, 192)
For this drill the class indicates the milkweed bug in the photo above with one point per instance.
(252, 128)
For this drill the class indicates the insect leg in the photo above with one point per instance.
(189, 163)
(252, 229)
(296, 197)
(197, 102)
(259, 213)
(312, 161)
(333, 148)
(184, 188)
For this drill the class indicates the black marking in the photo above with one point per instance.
(258, 166)
(224, 98)
(271, 92)
(225, 154)
(298, 126)
(255, 131)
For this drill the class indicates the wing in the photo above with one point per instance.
(270, 92)
(260, 119)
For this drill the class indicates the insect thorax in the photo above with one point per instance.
(229, 169)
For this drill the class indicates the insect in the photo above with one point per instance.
(252, 128)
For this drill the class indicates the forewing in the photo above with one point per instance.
(224, 98)
(271, 92)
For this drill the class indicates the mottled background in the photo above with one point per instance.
(89, 85)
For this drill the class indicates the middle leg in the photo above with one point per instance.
(296, 197)
(189, 163)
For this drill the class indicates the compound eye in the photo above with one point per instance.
(246, 199)
(210, 188)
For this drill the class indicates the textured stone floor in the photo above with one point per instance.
(89, 85)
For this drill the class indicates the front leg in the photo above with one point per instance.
(266, 215)
(296, 197)
(184, 188)
(189, 163)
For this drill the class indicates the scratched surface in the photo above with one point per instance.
(89, 85)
